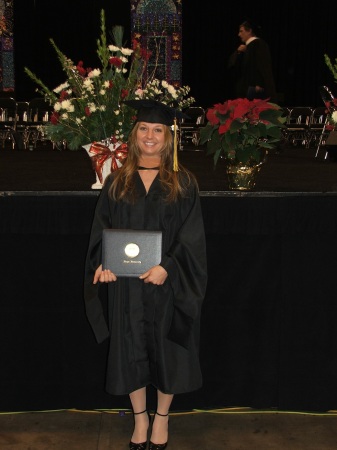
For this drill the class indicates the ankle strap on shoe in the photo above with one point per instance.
(141, 412)
(162, 415)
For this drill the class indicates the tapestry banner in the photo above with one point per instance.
(6, 46)
(157, 25)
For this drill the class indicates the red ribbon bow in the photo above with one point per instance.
(102, 153)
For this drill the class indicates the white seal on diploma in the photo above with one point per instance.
(131, 250)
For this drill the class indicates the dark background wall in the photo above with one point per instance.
(298, 35)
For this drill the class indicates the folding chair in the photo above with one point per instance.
(39, 111)
(330, 106)
(190, 128)
(297, 129)
(318, 125)
(7, 121)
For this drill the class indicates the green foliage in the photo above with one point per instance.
(332, 66)
(242, 131)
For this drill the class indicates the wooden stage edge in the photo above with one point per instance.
(44, 171)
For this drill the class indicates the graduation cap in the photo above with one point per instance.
(153, 111)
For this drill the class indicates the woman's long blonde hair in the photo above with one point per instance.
(123, 186)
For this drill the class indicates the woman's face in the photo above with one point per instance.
(150, 138)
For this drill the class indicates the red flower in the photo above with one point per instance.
(64, 95)
(87, 111)
(223, 128)
(241, 108)
(222, 108)
(212, 117)
(81, 70)
(54, 118)
(124, 93)
(114, 61)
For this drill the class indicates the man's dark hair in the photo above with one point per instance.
(249, 24)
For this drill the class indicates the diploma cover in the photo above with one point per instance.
(129, 253)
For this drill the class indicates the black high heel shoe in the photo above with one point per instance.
(141, 445)
(152, 445)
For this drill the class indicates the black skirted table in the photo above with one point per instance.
(269, 318)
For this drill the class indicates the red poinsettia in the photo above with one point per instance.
(242, 130)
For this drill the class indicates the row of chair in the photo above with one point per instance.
(305, 125)
(311, 126)
(20, 121)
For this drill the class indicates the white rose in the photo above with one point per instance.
(113, 48)
(66, 104)
(126, 51)
(92, 107)
(94, 73)
(61, 87)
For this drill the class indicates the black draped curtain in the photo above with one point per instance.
(268, 322)
(298, 35)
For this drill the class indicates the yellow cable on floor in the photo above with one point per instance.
(227, 410)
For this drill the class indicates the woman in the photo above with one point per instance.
(153, 320)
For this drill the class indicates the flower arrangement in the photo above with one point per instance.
(88, 107)
(242, 130)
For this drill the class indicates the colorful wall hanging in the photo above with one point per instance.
(157, 26)
(6, 46)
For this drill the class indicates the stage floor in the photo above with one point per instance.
(293, 170)
(229, 429)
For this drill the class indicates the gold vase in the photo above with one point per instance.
(242, 177)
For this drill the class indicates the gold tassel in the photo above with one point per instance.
(175, 147)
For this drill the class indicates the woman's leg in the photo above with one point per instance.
(138, 401)
(160, 423)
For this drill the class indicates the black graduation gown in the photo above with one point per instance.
(154, 330)
(253, 68)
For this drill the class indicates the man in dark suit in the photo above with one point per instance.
(252, 65)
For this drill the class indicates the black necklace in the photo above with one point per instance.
(148, 168)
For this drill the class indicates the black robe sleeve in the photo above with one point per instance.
(93, 305)
(186, 264)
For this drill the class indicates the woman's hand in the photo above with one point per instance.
(155, 275)
(104, 276)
